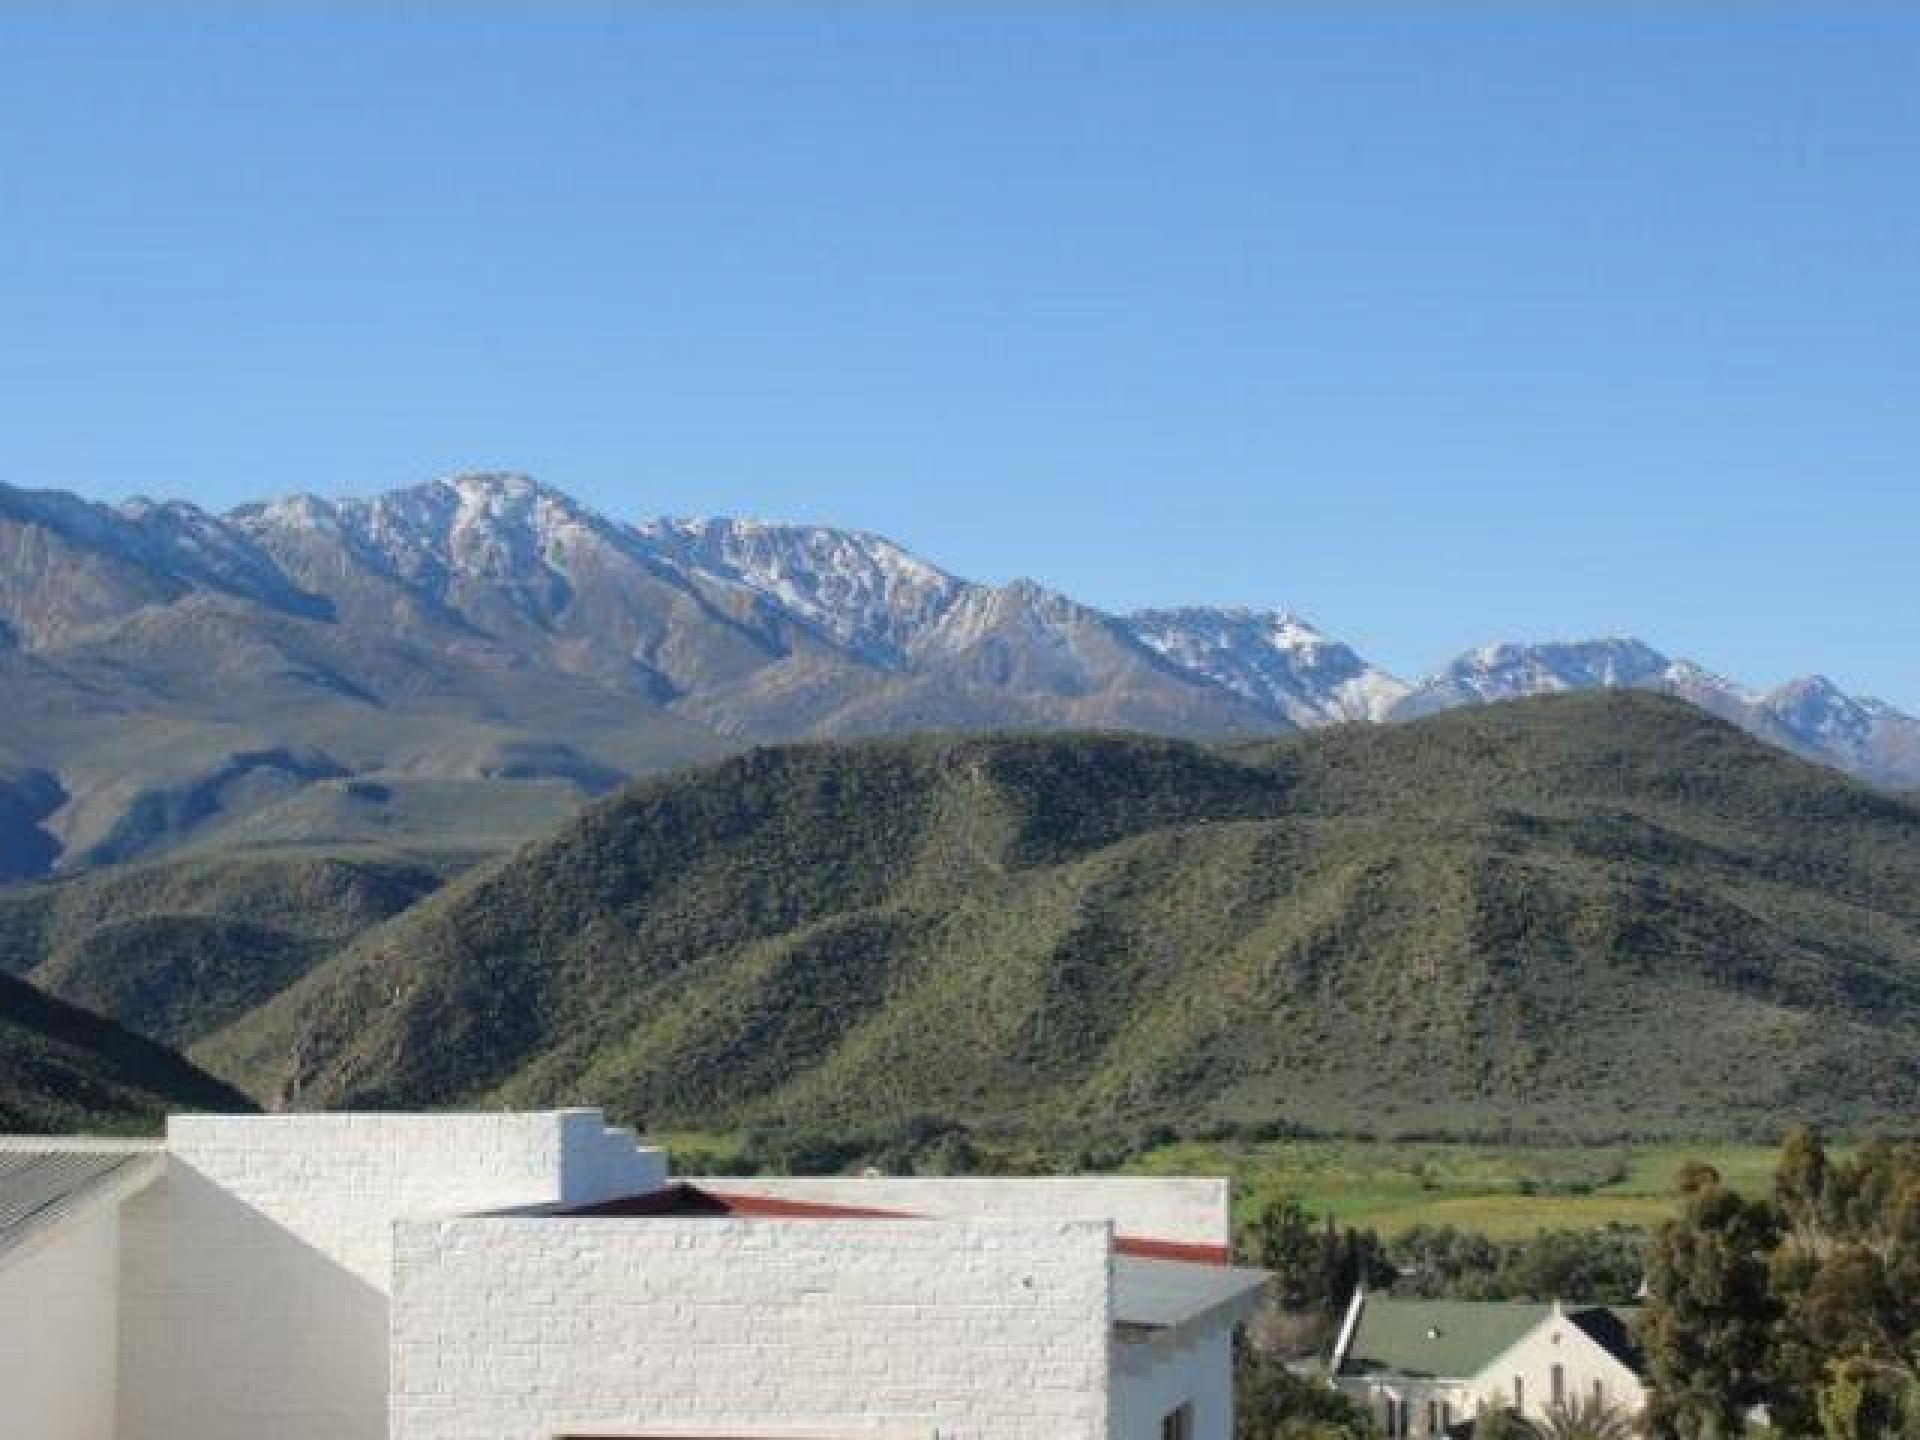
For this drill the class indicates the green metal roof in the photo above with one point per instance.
(1456, 1339)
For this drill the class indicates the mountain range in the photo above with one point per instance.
(446, 669)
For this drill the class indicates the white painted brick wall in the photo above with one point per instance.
(522, 1329)
(1191, 1211)
(255, 1275)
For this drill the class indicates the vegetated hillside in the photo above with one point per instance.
(176, 949)
(1580, 915)
(63, 1069)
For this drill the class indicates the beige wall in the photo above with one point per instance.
(1584, 1364)
(58, 1319)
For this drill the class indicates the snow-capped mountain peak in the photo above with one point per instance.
(760, 628)
(863, 589)
(1274, 658)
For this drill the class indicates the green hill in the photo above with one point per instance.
(64, 1069)
(1571, 916)
(176, 949)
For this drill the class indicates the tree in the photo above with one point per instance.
(1283, 1238)
(1588, 1419)
(1863, 1400)
(1270, 1402)
(1707, 1328)
(1316, 1267)
(1800, 1179)
(1497, 1420)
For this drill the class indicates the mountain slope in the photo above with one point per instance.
(1578, 915)
(64, 1069)
(174, 950)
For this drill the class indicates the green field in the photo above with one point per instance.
(1503, 1191)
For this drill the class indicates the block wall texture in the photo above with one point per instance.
(1192, 1212)
(255, 1276)
(58, 1320)
(523, 1329)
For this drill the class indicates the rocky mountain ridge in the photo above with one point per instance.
(488, 629)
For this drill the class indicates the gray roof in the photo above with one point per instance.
(1165, 1294)
(44, 1182)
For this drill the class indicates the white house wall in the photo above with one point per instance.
(58, 1318)
(255, 1274)
(1557, 1340)
(1194, 1212)
(510, 1329)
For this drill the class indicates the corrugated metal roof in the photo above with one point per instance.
(43, 1184)
(1165, 1294)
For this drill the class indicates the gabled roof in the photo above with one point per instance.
(1457, 1339)
(44, 1182)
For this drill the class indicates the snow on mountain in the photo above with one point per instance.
(865, 591)
(1273, 658)
(493, 527)
(761, 629)
(1509, 671)
(1812, 716)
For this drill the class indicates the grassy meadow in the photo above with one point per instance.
(1508, 1192)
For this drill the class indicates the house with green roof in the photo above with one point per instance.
(1426, 1367)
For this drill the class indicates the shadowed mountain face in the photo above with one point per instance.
(1578, 915)
(64, 1069)
(174, 675)
(175, 949)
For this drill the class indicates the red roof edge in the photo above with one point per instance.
(1187, 1253)
(681, 1200)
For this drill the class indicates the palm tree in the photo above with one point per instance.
(1588, 1419)
(1497, 1420)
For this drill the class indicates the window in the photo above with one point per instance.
(1559, 1385)
(1396, 1419)
(1178, 1425)
(1519, 1393)
(1433, 1417)
(1600, 1393)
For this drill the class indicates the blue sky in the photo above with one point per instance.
(1436, 322)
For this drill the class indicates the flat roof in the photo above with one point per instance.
(1166, 1294)
(44, 1182)
(1157, 1284)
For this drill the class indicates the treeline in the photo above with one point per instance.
(1317, 1264)
(1800, 1309)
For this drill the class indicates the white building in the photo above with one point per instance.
(1427, 1367)
(541, 1277)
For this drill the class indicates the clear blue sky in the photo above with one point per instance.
(1438, 322)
